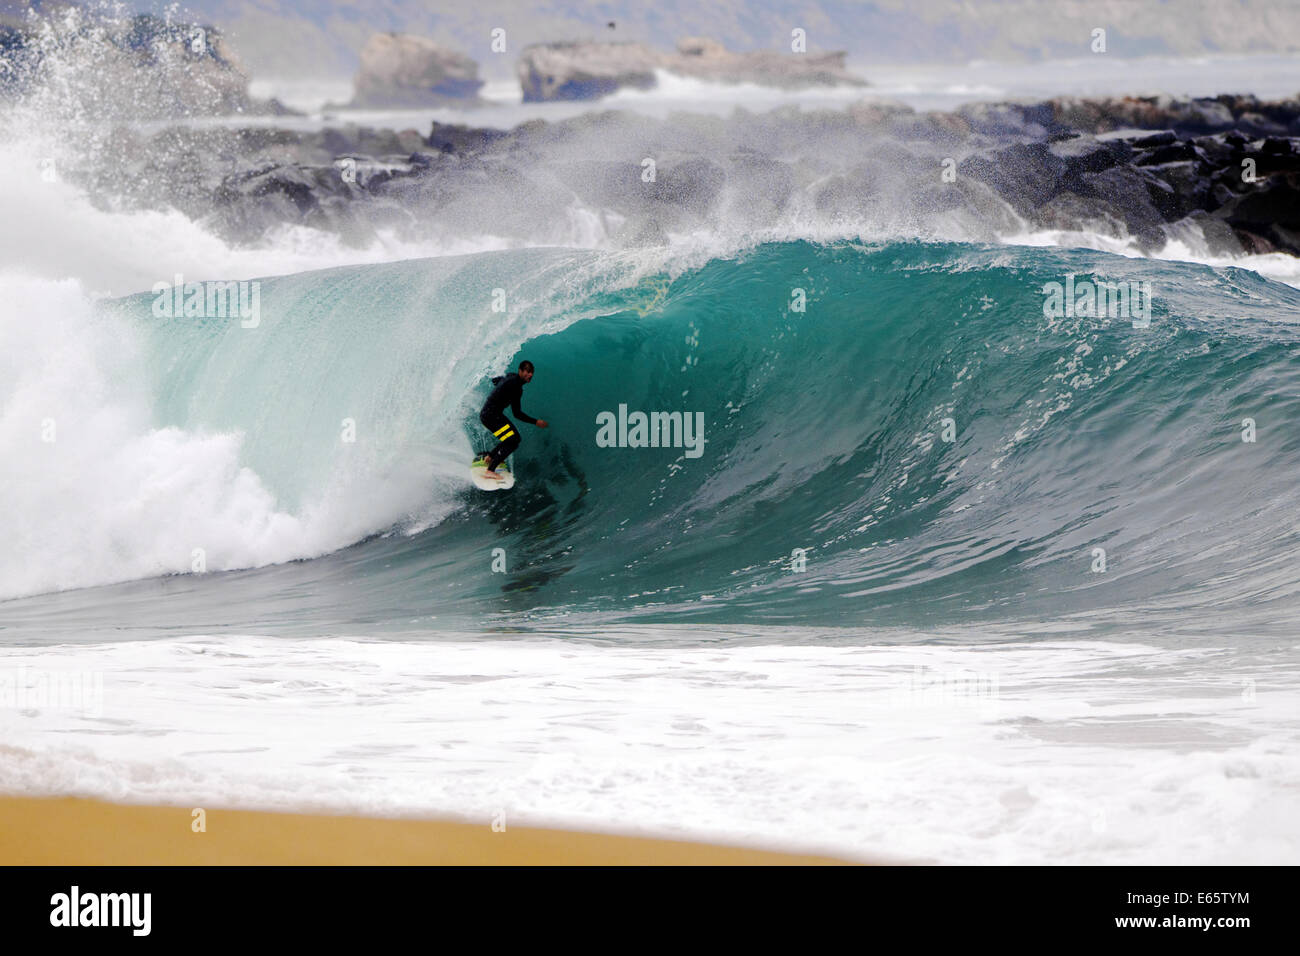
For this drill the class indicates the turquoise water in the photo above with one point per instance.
(825, 492)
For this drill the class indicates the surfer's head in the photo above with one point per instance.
(526, 371)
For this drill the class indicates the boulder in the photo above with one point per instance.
(399, 70)
(1218, 236)
(1070, 212)
(1026, 175)
(708, 60)
(462, 140)
(1165, 137)
(1271, 210)
(1141, 201)
(1087, 154)
(692, 185)
(1191, 190)
(252, 201)
(585, 71)
(1171, 153)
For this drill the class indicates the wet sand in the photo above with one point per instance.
(81, 832)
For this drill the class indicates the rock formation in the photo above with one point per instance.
(399, 70)
(590, 70)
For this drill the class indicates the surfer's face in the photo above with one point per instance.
(526, 375)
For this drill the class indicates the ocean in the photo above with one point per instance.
(941, 575)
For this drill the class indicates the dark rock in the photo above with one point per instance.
(1224, 188)
(693, 185)
(1072, 212)
(1259, 125)
(1026, 175)
(1086, 154)
(463, 140)
(1163, 138)
(1172, 153)
(974, 208)
(1190, 190)
(1278, 160)
(251, 202)
(1184, 117)
(1270, 211)
(1254, 244)
(1205, 115)
(1220, 150)
(1219, 238)
(1136, 197)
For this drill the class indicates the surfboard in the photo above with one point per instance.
(477, 474)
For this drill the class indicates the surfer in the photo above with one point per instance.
(509, 390)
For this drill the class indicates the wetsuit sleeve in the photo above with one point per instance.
(519, 412)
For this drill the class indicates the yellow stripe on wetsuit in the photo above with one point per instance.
(503, 432)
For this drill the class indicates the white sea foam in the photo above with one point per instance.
(1060, 752)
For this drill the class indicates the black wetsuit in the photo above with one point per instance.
(509, 390)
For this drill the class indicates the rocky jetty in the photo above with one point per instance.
(1144, 170)
(398, 70)
(1242, 194)
(590, 70)
(1145, 166)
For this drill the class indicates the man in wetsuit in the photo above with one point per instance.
(509, 390)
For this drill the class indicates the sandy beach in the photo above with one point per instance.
(67, 831)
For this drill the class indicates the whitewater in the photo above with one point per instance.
(848, 626)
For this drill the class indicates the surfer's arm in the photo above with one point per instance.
(521, 414)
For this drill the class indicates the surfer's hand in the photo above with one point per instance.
(541, 423)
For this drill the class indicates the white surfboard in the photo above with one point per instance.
(478, 475)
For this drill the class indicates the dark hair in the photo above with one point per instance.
(525, 366)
